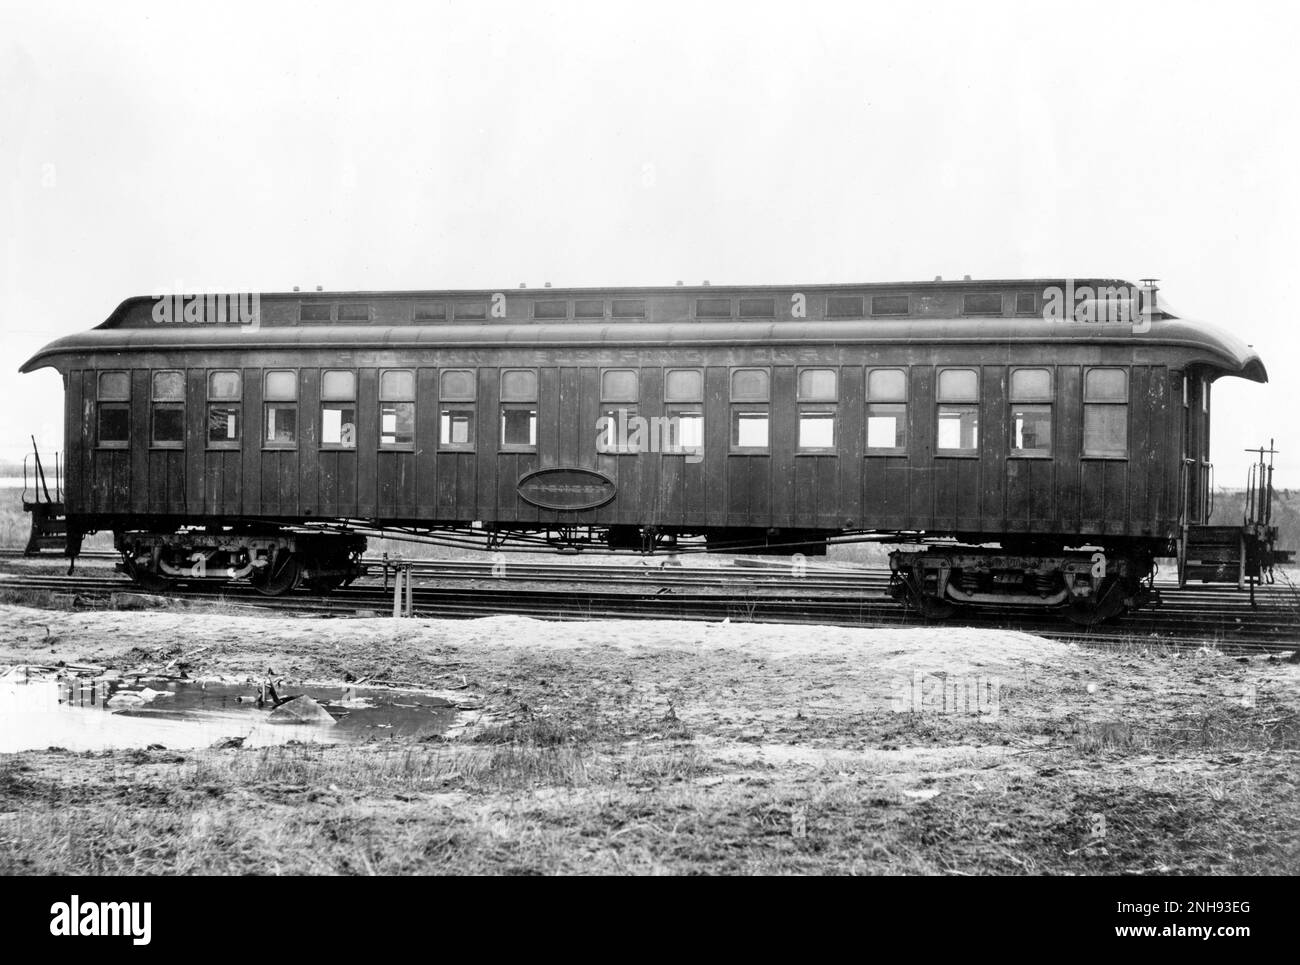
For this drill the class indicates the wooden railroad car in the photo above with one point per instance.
(1046, 438)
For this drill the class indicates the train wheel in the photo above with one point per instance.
(279, 578)
(147, 579)
(929, 607)
(1107, 604)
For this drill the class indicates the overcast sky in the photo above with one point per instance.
(365, 146)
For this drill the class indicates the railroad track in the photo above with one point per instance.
(762, 594)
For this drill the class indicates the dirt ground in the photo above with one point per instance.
(674, 747)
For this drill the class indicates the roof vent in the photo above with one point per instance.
(966, 278)
(706, 283)
(320, 288)
(523, 284)
(295, 288)
(938, 277)
(679, 283)
(547, 285)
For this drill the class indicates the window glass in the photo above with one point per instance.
(1031, 429)
(1031, 384)
(958, 427)
(168, 386)
(281, 386)
(816, 430)
(1105, 430)
(223, 423)
(749, 430)
(338, 424)
(685, 428)
(457, 385)
(887, 385)
(281, 424)
(223, 385)
(958, 385)
(114, 424)
(982, 304)
(749, 385)
(758, 307)
(114, 386)
(817, 385)
(889, 305)
(338, 385)
(551, 309)
(683, 385)
(397, 424)
(518, 385)
(1106, 385)
(456, 428)
(518, 426)
(618, 385)
(397, 386)
(886, 425)
(168, 424)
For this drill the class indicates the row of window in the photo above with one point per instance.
(957, 409)
(764, 306)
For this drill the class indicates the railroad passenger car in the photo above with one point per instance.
(1047, 438)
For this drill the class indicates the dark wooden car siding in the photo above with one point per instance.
(852, 489)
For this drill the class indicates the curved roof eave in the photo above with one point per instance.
(1207, 344)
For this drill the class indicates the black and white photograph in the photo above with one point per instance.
(624, 439)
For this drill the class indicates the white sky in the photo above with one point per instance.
(365, 146)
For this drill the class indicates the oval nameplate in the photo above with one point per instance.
(566, 488)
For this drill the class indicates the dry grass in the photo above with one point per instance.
(672, 756)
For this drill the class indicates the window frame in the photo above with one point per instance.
(446, 406)
(968, 298)
(568, 311)
(675, 399)
(518, 446)
(323, 403)
(738, 406)
(817, 408)
(387, 399)
(214, 402)
(1047, 401)
(907, 299)
(516, 404)
(826, 404)
(675, 410)
(905, 402)
(156, 403)
(733, 436)
(960, 452)
(715, 316)
(268, 404)
(1090, 405)
(103, 405)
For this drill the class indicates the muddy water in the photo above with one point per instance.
(86, 715)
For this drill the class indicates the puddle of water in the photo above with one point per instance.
(90, 715)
